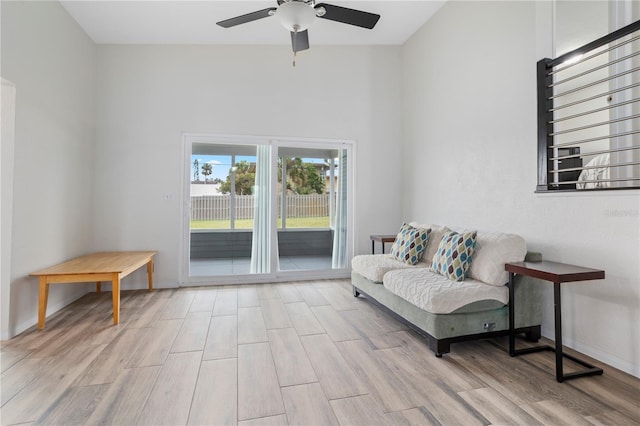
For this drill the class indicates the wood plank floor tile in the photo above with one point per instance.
(103, 332)
(170, 400)
(338, 298)
(446, 369)
(267, 291)
(72, 333)
(274, 313)
(222, 339)
(388, 390)
(384, 320)
(414, 416)
(527, 380)
(137, 299)
(248, 297)
(124, 399)
(358, 410)
(215, 401)
(54, 379)
(258, 387)
(392, 339)
(152, 310)
(204, 300)
(307, 405)
(336, 377)
(552, 412)
(292, 364)
(23, 373)
(178, 305)
(10, 357)
(612, 418)
(496, 408)
(289, 293)
(311, 295)
(280, 420)
(74, 407)
(226, 302)
(418, 379)
(117, 354)
(450, 408)
(304, 321)
(362, 322)
(612, 390)
(193, 334)
(156, 344)
(337, 327)
(251, 328)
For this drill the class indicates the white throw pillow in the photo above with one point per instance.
(437, 232)
(493, 250)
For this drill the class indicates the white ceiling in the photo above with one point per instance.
(194, 22)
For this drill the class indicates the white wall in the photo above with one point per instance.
(51, 62)
(148, 95)
(470, 160)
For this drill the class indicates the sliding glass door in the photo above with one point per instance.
(266, 209)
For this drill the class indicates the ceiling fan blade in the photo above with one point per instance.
(348, 16)
(300, 40)
(243, 19)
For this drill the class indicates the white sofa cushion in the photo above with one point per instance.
(374, 266)
(493, 250)
(437, 294)
(435, 236)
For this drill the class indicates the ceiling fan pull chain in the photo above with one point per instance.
(295, 39)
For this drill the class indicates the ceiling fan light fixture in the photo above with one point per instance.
(296, 16)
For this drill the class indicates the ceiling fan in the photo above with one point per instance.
(298, 15)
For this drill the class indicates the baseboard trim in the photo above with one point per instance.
(597, 354)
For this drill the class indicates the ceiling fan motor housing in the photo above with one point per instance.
(296, 16)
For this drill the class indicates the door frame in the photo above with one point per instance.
(188, 139)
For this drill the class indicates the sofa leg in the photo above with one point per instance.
(356, 293)
(439, 347)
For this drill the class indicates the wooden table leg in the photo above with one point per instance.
(115, 293)
(98, 287)
(42, 301)
(150, 273)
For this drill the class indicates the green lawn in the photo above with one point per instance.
(298, 222)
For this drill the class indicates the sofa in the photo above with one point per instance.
(444, 307)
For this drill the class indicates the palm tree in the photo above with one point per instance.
(207, 169)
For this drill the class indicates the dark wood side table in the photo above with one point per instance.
(381, 239)
(557, 273)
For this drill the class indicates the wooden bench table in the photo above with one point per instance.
(96, 267)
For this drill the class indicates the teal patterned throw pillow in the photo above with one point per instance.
(410, 244)
(454, 255)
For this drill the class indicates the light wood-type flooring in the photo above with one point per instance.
(305, 353)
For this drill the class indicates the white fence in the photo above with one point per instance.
(218, 207)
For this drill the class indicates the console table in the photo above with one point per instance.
(96, 267)
(381, 239)
(557, 273)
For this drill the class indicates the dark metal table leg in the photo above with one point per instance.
(373, 247)
(557, 307)
(512, 336)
